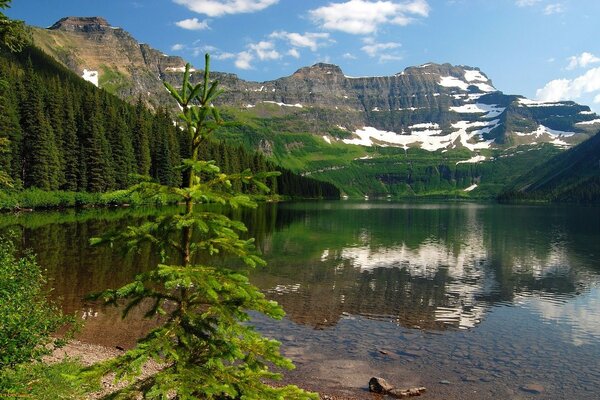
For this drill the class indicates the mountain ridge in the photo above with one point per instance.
(426, 128)
(433, 106)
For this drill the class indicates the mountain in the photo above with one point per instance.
(573, 176)
(59, 132)
(427, 129)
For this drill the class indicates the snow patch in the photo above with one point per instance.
(472, 160)
(427, 125)
(554, 134)
(533, 103)
(411, 108)
(491, 110)
(587, 113)
(473, 186)
(298, 105)
(179, 69)
(327, 139)
(592, 122)
(250, 106)
(450, 81)
(90, 76)
(475, 76)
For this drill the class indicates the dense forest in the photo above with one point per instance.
(572, 176)
(62, 133)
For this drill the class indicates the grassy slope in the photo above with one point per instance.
(287, 137)
(573, 175)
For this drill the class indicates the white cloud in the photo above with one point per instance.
(349, 56)
(309, 39)
(597, 99)
(192, 24)
(224, 56)
(571, 89)
(244, 60)
(526, 3)
(177, 47)
(364, 17)
(265, 50)
(554, 9)
(582, 60)
(217, 8)
(374, 49)
(389, 57)
(294, 53)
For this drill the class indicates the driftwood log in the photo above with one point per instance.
(381, 386)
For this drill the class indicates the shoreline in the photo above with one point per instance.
(88, 354)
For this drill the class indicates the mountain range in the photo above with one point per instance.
(414, 132)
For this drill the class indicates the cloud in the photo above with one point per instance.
(217, 8)
(554, 9)
(224, 56)
(192, 24)
(309, 39)
(571, 89)
(362, 17)
(265, 50)
(177, 47)
(349, 56)
(293, 53)
(526, 3)
(597, 98)
(244, 59)
(582, 60)
(374, 49)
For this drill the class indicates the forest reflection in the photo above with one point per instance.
(428, 266)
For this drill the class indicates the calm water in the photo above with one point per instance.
(473, 301)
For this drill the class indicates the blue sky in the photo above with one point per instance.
(543, 49)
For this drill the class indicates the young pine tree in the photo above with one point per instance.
(206, 347)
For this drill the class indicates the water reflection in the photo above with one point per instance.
(428, 266)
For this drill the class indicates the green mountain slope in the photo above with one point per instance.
(572, 176)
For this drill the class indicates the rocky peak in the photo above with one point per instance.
(460, 77)
(319, 71)
(81, 24)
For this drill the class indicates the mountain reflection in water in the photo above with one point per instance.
(427, 266)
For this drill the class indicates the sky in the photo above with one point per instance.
(547, 50)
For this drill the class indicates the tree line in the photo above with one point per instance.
(62, 133)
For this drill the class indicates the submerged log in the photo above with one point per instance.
(381, 386)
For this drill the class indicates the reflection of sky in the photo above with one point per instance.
(578, 316)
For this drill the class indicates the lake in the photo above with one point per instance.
(472, 301)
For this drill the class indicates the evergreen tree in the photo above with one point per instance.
(70, 144)
(98, 157)
(206, 349)
(140, 139)
(119, 137)
(41, 163)
(10, 136)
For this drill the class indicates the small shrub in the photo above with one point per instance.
(27, 318)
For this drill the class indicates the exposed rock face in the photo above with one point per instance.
(432, 106)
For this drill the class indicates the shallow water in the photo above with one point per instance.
(472, 301)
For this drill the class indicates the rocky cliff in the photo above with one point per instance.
(432, 106)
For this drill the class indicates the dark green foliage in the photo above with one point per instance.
(59, 132)
(44, 382)
(13, 34)
(206, 347)
(572, 176)
(27, 318)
